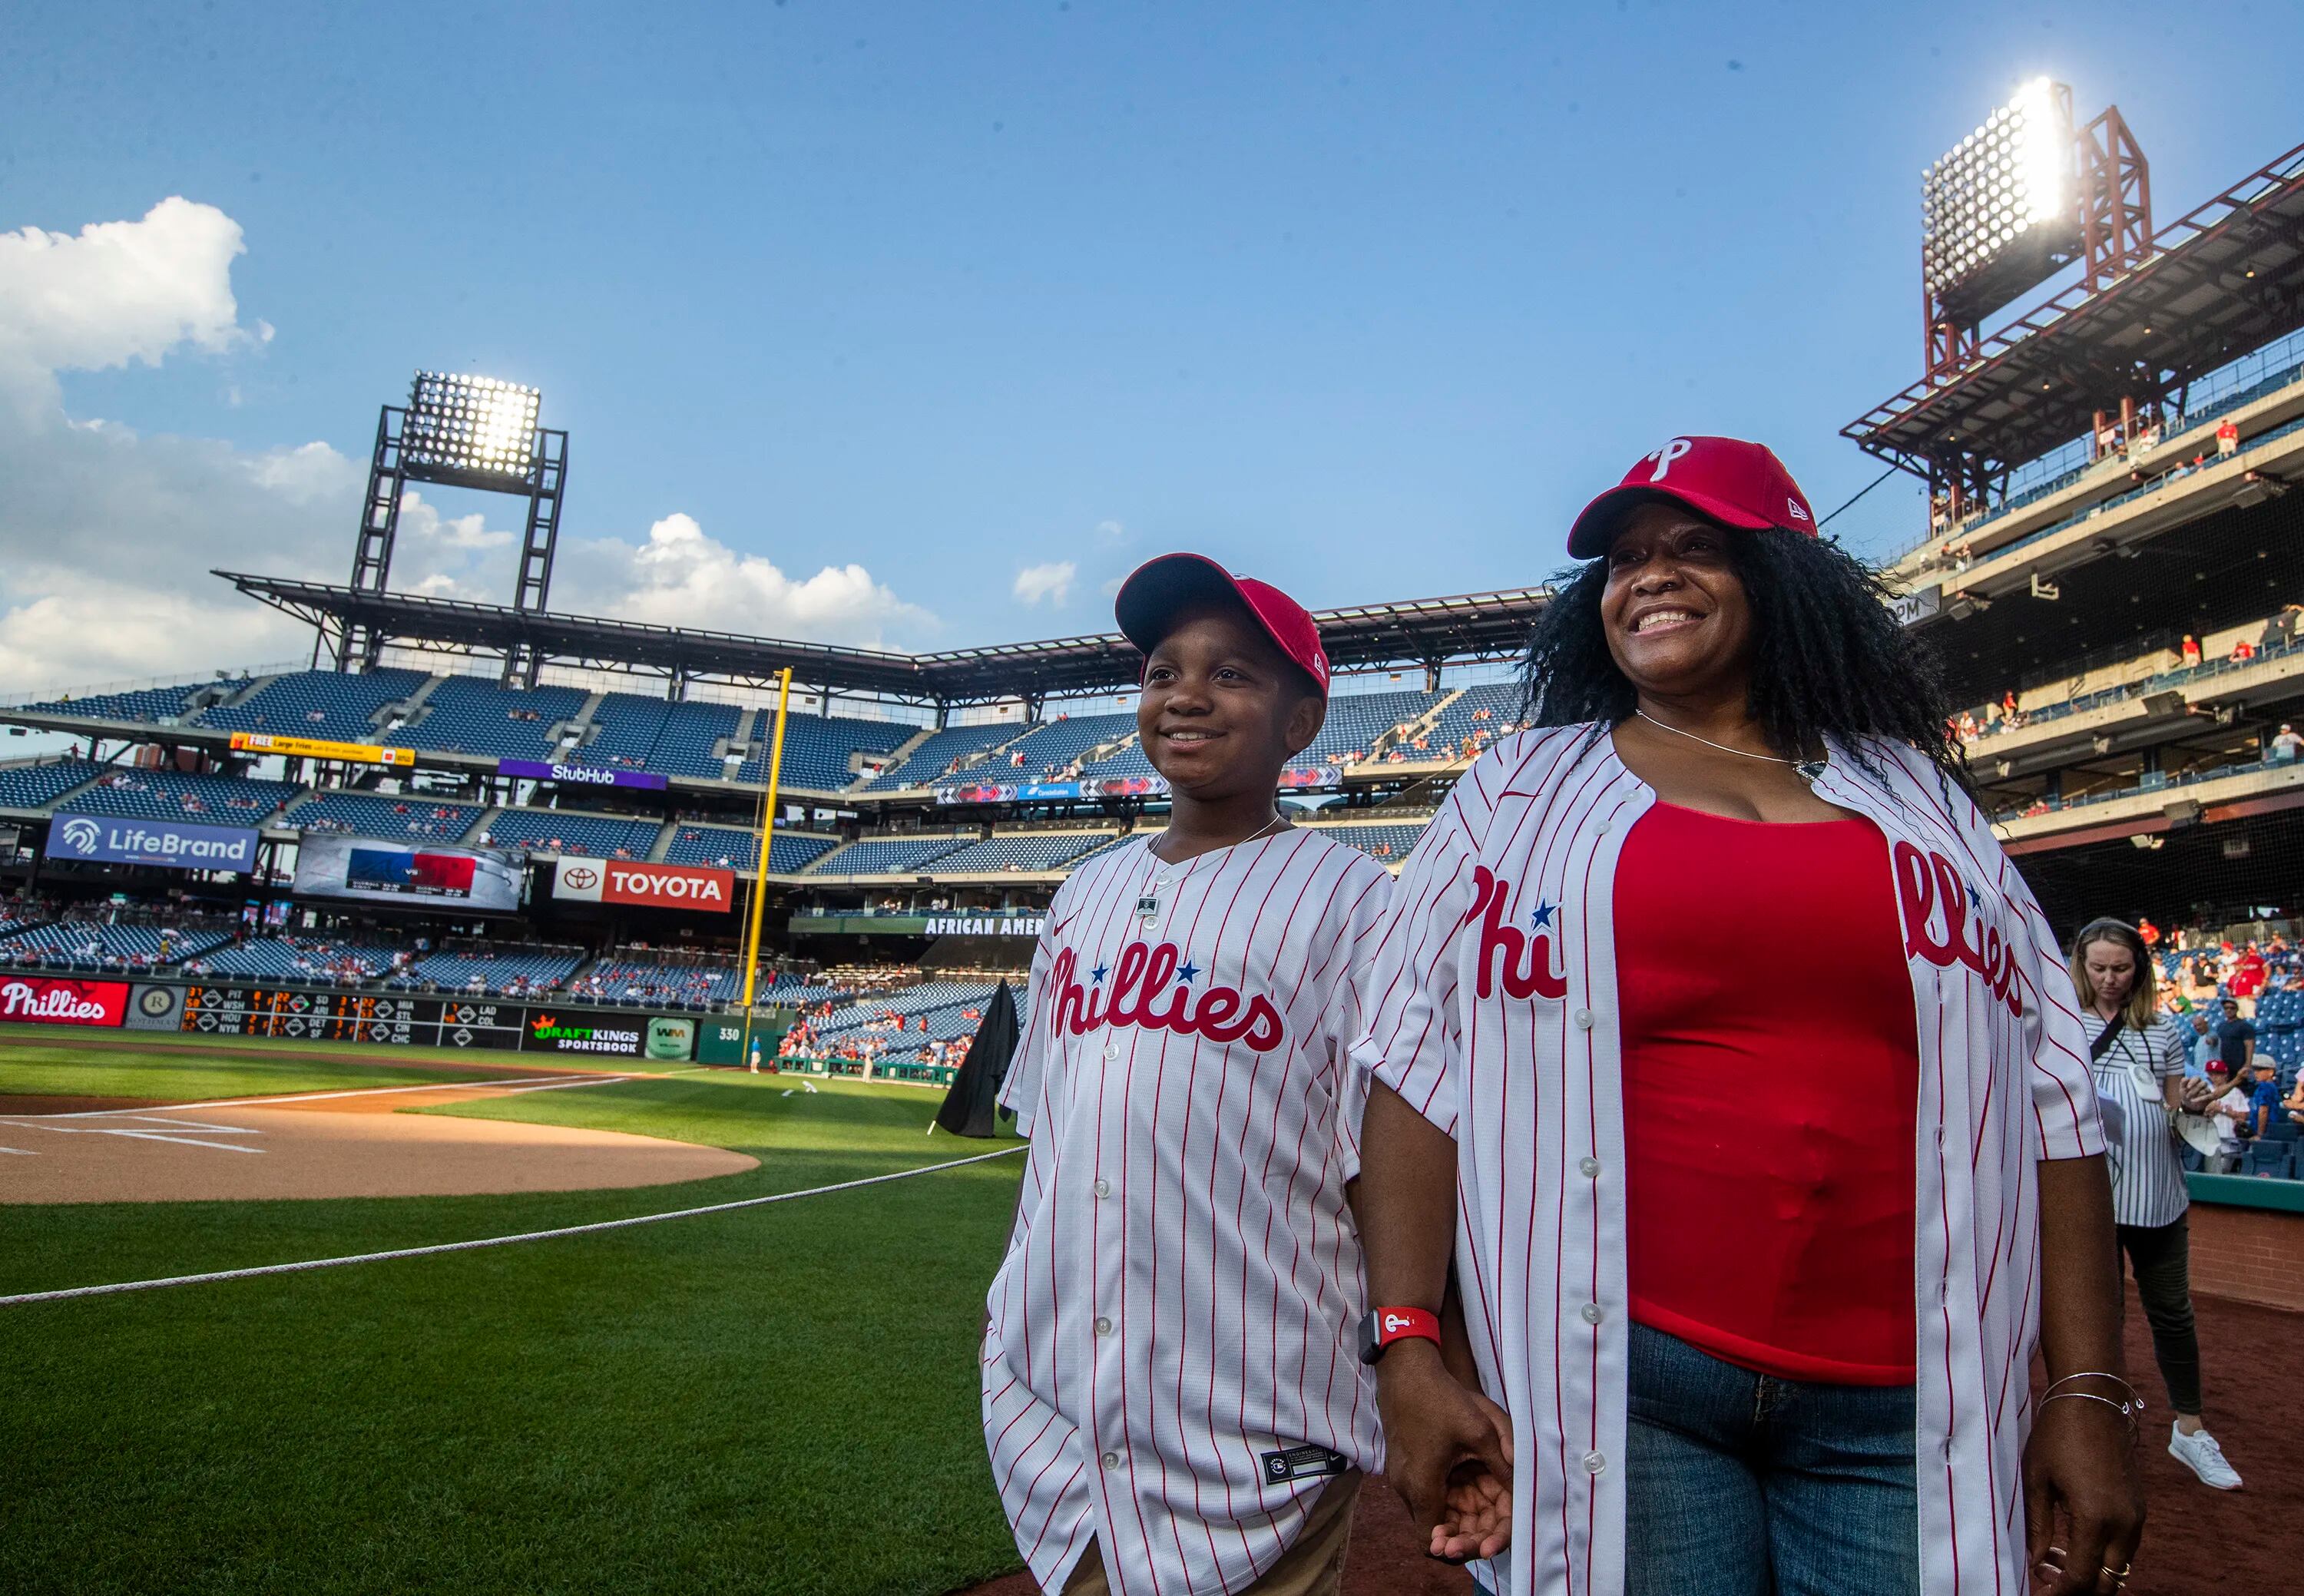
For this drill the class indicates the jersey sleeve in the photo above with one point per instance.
(2062, 1084)
(1410, 1035)
(2171, 1051)
(1360, 928)
(1021, 1091)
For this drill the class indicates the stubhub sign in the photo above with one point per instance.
(659, 886)
(168, 843)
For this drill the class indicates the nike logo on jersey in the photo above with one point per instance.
(1152, 988)
(1523, 960)
(1931, 888)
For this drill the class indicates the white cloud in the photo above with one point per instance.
(107, 538)
(1112, 531)
(1052, 581)
(681, 577)
(118, 293)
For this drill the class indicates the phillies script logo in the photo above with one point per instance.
(1524, 960)
(1932, 889)
(1152, 988)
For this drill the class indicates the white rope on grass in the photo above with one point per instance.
(490, 1241)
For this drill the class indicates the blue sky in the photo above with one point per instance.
(1365, 299)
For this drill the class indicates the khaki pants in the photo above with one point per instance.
(1313, 1566)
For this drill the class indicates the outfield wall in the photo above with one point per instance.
(296, 1013)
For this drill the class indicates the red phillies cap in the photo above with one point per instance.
(1733, 482)
(1150, 599)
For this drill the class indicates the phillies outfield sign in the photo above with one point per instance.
(580, 776)
(659, 886)
(44, 1002)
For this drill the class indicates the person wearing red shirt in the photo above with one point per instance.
(2191, 649)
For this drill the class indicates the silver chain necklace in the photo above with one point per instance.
(1811, 769)
(1266, 829)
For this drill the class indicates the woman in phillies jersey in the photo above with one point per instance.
(1756, 1267)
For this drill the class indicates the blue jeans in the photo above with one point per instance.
(1741, 1484)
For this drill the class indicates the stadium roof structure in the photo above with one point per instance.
(2225, 279)
(1421, 631)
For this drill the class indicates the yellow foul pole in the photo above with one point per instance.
(760, 874)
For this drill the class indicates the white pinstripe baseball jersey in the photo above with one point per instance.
(1493, 1010)
(1170, 1368)
(2148, 1180)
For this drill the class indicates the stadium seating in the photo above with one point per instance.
(1391, 843)
(652, 984)
(465, 715)
(1129, 761)
(932, 760)
(148, 706)
(572, 831)
(378, 814)
(1356, 721)
(1483, 709)
(670, 739)
(36, 786)
(884, 856)
(1044, 752)
(817, 748)
(732, 848)
(319, 959)
(317, 704)
(92, 944)
(171, 795)
(502, 970)
(1033, 851)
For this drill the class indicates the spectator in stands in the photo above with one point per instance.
(2235, 1039)
(2242, 651)
(2265, 1109)
(2139, 1062)
(2201, 1045)
(2227, 439)
(2191, 650)
(2285, 746)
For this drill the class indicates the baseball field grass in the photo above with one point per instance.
(34, 1062)
(779, 1399)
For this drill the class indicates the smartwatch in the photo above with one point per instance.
(1381, 1326)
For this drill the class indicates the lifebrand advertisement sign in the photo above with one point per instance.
(654, 886)
(169, 843)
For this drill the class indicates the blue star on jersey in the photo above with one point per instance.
(1096, 975)
(1541, 916)
(1187, 973)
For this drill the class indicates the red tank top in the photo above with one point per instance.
(1771, 1083)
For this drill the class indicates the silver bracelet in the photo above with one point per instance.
(2120, 1408)
(2134, 1405)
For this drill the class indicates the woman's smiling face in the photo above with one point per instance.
(1675, 613)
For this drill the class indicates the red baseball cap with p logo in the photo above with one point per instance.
(1149, 600)
(1735, 483)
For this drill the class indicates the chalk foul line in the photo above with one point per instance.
(214, 1276)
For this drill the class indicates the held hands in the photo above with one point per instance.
(2080, 1467)
(1448, 1452)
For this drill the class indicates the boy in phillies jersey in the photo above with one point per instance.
(1173, 1398)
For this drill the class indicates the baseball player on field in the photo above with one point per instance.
(1173, 1395)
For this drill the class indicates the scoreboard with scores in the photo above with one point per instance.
(352, 1018)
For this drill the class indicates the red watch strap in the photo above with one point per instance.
(1400, 1324)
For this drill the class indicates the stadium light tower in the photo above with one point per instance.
(2017, 199)
(465, 432)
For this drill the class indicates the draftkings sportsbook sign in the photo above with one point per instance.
(654, 886)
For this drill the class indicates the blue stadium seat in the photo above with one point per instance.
(572, 831)
(303, 958)
(933, 760)
(818, 748)
(1389, 843)
(499, 971)
(148, 706)
(327, 704)
(732, 848)
(1046, 751)
(670, 739)
(171, 795)
(1034, 851)
(379, 814)
(883, 856)
(465, 715)
(91, 945)
(36, 786)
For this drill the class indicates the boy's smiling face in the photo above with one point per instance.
(1223, 709)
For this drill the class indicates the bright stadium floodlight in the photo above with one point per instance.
(474, 425)
(2001, 205)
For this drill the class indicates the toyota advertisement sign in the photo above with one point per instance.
(651, 885)
(173, 843)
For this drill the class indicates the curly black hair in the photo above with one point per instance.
(1828, 657)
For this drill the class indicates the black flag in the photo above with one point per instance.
(970, 1108)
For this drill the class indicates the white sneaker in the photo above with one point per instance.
(2199, 1452)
